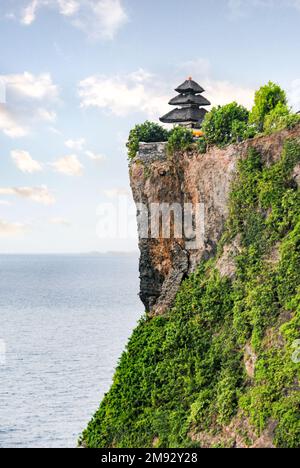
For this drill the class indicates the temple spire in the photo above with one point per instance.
(190, 98)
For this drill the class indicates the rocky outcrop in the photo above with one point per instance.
(188, 178)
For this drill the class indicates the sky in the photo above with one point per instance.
(77, 75)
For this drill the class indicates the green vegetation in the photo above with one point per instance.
(147, 132)
(179, 139)
(184, 373)
(226, 124)
(223, 125)
(266, 100)
(201, 145)
(233, 123)
(279, 119)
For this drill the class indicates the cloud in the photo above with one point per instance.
(37, 194)
(5, 203)
(46, 115)
(98, 19)
(60, 222)
(122, 95)
(24, 162)
(95, 157)
(136, 92)
(68, 7)
(79, 145)
(8, 229)
(76, 145)
(28, 15)
(37, 87)
(219, 92)
(224, 92)
(101, 19)
(69, 165)
(21, 111)
(10, 125)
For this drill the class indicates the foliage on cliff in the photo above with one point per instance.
(223, 125)
(179, 139)
(233, 123)
(147, 132)
(226, 124)
(266, 100)
(182, 381)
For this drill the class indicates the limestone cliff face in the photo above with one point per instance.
(188, 177)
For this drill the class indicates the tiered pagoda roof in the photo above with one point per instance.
(190, 100)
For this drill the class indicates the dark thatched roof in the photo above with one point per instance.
(186, 114)
(184, 99)
(189, 86)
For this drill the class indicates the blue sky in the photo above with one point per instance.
(76, 75)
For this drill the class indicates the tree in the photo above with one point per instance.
(266, 100)
(148, 132)
(226, 124)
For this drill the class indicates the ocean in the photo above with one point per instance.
(65, 321)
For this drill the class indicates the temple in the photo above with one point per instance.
(190, 99)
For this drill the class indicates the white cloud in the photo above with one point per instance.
(60, 222)
(46, 115)
(101, 19)
(37, 194)
(68, 7)
(10, 125)
(219, 92)
(122, 95)
(79, 146)
(37, 87)
(24, 162)
(69, 165)
(135, 92)
(5, 203)
(224, 92)
(21, 112)
(55, 131)
(95, 157)
(8, 229)
(76, 145)
(98, 19)
(28, 15)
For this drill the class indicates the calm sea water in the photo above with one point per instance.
(65, 321)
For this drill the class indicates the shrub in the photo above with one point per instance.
(226, 124)
(266, 100)
(279, 119)
(180, 138)
(147, 132)
(276, 119)
(202, 145)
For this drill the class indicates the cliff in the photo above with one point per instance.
(187, 177)
(215, 361)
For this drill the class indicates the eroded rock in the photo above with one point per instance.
(191, 178)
